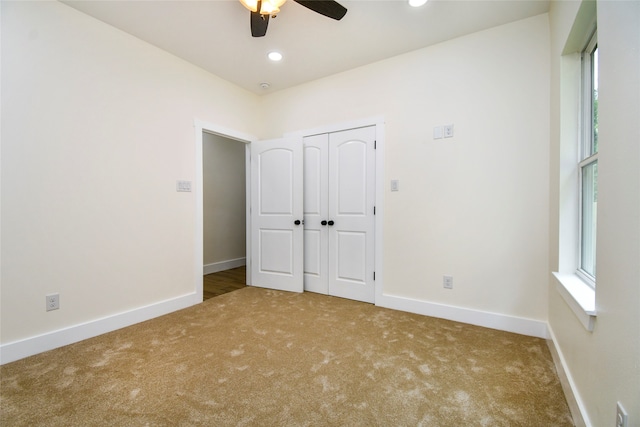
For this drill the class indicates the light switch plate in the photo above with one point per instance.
(183, 186)
(437, 132)
(395, 185)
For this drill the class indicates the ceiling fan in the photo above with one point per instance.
(262, 10)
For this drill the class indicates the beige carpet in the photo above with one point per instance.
(256, 357)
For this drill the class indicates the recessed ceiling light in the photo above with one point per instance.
(417, 3)
(275, 56)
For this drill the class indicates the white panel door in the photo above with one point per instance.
(316, 210)
(339, 199)
(351, 221)
(276, 214)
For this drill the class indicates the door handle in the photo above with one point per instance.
(331, 223)
(297, 222)
(323, 222)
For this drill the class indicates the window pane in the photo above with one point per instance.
(589, 210)
(594, 100)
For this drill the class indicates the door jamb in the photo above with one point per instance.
(211, 128)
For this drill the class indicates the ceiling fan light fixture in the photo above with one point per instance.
(263, 10)
(413, 3)
(267, 7)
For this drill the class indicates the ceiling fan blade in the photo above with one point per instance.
(329, 8)
(259, 24)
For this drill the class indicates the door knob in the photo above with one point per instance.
(323, 222)
(296, 222)
(331, 223)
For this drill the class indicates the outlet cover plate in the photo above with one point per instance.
(53, 302)
(448, 131)
(621, 416)
(447, 282)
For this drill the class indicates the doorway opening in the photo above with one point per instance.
(221, 244)
(224, 220)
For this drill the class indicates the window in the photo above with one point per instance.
(588, 163)
(578, 167)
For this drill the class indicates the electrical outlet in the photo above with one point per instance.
(448, 131)
(447, 282)
(53, 302)
(621, 416)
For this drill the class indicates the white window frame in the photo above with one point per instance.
(587, 155)
(576, 289)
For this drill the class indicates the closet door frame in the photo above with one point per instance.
(378, 122)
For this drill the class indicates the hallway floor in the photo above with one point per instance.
(223, 281)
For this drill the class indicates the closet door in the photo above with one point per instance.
(351, 223)
(339, 224)
(316, 199)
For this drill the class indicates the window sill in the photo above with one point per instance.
(579, 296)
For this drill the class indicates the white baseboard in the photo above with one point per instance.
(518, 325)
(223, 265)
(578, 412)
(19, 349)
(28, 347)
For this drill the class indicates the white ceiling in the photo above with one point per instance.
(215, 34)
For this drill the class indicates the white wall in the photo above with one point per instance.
(97, 126)
(474, 206)
(224, 199)
(603, 364)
